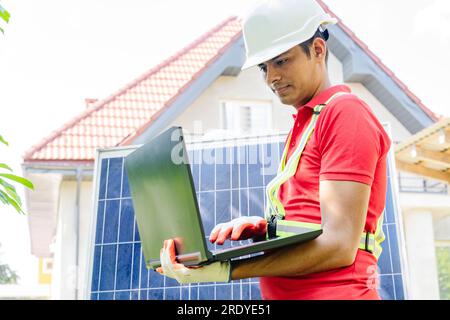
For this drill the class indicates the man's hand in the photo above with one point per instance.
(241, 228)
(214, 272)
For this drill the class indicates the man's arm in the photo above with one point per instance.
(344, 207)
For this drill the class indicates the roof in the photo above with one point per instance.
(427, 153)
(111, 121)
(118, 119)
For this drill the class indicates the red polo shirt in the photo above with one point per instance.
(348, 144)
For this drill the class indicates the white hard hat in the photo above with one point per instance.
(273, 27)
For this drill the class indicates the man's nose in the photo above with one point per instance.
(272, 75)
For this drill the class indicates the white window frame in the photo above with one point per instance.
(253, 104)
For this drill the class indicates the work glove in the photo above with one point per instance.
(214, 272)
(241, 228)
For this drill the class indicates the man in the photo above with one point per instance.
(332, 173)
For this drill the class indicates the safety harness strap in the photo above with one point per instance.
(285, 228)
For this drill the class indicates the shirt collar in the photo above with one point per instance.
(323, 97)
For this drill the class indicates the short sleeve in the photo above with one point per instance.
(351, 141)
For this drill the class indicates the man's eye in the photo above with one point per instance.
(281, 62)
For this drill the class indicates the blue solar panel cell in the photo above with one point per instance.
(207, 207)
(154, 294)
(137, 238)
(169, 282)
(384, 262)
(111, 221)
(172, 293)
(195, 168)
(126, 221)
(235, 212)
(144, 274)
(223, 206)
(390, 210)
(386, 289)
(280, 149)
(393, 242)
(246, 291)
(255, 292)
(96, 268)
(223, 292)
(184, 294)
(236, 290)
(125, 185)
(108, 267)
(255, 177)
(194, 292)
(114, 186)
(244, 202)
(206, 292)
(229, 182)
(122, 295)
(136, 266)
(156, 280)
(398, 286)
(223, 172)
(123, 272)
(234, 168)
(106, 296)
(223, 181)
(256, 202)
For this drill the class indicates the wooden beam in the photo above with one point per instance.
(440, 158)
(423, 171)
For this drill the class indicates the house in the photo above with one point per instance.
(202, 89)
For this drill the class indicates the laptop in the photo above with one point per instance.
(165, 205)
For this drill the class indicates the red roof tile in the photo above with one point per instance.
(124, 115)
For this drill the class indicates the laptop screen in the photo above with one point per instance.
(164, 200)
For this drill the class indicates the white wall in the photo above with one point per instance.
(65, 269)
(426, 221)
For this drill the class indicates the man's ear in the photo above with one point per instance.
(319, 49)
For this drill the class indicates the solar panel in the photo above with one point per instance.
(230, 179)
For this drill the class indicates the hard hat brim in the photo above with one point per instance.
(271, 53)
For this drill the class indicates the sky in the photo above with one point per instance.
(54, 54)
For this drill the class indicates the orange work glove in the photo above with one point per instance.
(242, 228)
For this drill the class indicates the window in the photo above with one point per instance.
(247, 117)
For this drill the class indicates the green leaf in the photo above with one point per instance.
(12, 202)
(11, 190)
(1, 138)
(3, 198)
(4, 14)
(2, 30)
(4, 166)
(18, 179)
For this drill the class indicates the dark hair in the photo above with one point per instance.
(307, 44)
